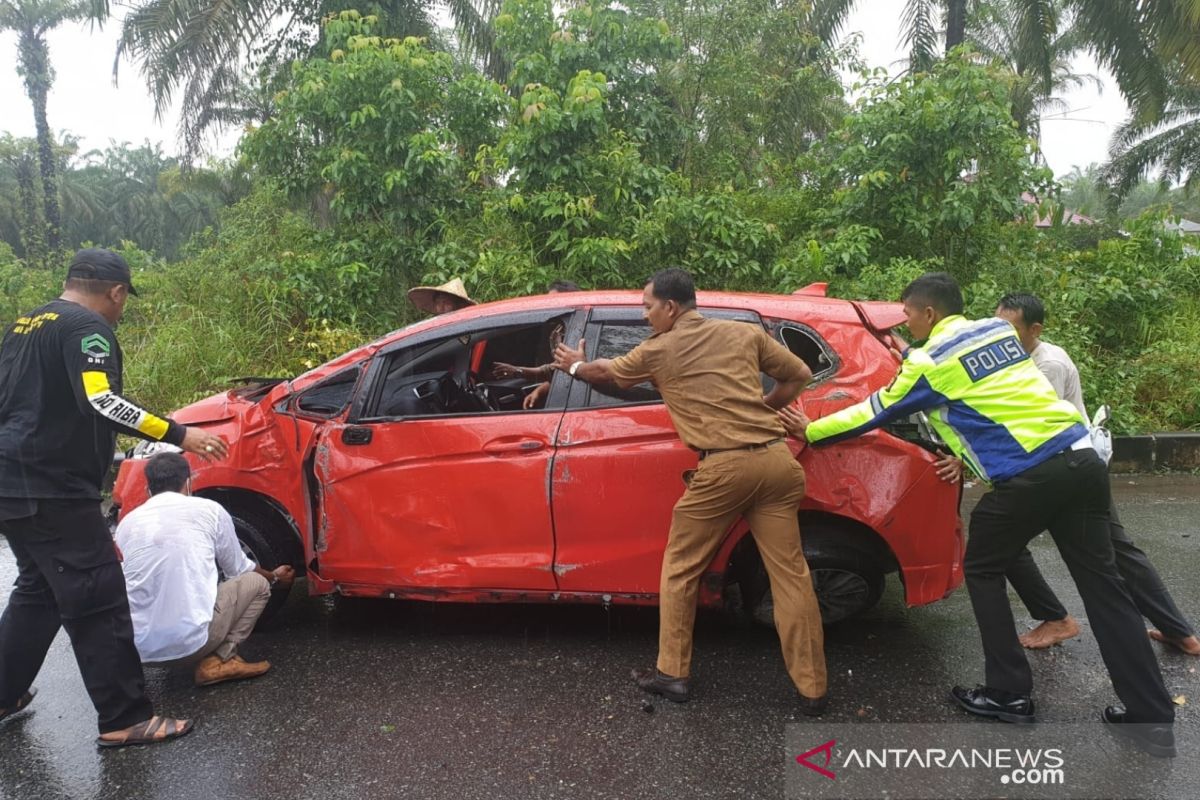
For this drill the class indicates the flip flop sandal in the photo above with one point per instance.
(153, 731)
(25, 700)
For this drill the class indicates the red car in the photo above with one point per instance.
(402, 469)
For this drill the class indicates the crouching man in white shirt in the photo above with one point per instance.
(173, 546)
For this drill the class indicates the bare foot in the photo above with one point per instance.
(1189, 645)
(1050, 633)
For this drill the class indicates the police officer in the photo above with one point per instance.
(709, 375)
(60, 411)
(996, 410)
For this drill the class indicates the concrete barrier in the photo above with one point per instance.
(1176, 452)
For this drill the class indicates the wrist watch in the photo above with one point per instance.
(274, 579)
(574, 368)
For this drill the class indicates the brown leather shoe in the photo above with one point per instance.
(213, 670)
(814, 706)
(651, 680)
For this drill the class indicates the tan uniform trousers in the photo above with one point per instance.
(240, 602)
(765, 486)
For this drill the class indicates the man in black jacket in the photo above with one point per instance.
(60, 411)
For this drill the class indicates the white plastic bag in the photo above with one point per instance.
(1101, 436)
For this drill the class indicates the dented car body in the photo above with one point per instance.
(402, 469)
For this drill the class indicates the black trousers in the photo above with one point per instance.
(1068, 495)
(69, 577)
(1142, 580)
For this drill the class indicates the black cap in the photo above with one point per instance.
(98, 264)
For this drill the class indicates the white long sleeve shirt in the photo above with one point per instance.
(1062, 373)
(173, 546)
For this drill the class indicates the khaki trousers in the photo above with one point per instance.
(240, 602)
(765, 486)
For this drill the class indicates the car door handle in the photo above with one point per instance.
(503, 447)
(356, 435)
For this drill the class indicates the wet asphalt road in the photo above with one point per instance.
(379, 699)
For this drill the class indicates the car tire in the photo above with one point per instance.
(263, 542)
(846, 583)
(847, 580)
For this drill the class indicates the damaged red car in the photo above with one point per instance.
(405, 469)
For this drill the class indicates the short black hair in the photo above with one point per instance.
(90, 286)
(167, 472)
(1032, 309)
(674, 284)
(937, 290)
(564, 286)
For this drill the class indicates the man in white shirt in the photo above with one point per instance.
(173, 546)
(1027, 314)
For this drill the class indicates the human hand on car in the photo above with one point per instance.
(204, 444)
(502, 370)
(284, 575)
(794, 421)
(565, 356)
(537, 396)
(949, 468)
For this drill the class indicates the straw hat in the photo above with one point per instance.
(422, 296)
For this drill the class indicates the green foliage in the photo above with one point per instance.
(595, 51)
(584, 186)
(123, 193)
(629, 137)
(382, 129)
(23, 286)
(754, 87)
(933, 162)
(1122, 308)
(377, 137)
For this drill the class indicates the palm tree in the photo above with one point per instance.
(204, 53)
(20, 213)
(31, 20)
(1132, 39)
(1080, 190)
(1169, 142)
(1001, 32)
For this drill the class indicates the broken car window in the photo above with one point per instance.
(331, 396)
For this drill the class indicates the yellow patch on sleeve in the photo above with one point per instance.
(95, 383)
(154, 427)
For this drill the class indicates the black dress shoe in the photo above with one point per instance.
(1157, 740)
(651, 680)
(814, 706)
(997, 703)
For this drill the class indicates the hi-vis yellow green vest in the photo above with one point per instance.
(984, 396)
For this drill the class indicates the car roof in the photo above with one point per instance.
(767, 304)
(804, 305)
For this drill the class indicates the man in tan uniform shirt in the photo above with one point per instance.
(708, 372)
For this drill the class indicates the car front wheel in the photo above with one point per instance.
(260, 544)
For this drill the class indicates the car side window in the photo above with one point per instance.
(617, 339)
(458, 375)
(810, 348)
(329, 397)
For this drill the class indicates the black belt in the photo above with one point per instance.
(706, 453)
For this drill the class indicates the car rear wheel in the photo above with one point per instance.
(847, 580)
(263, 543)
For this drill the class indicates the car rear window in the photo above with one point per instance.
(810, 348)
